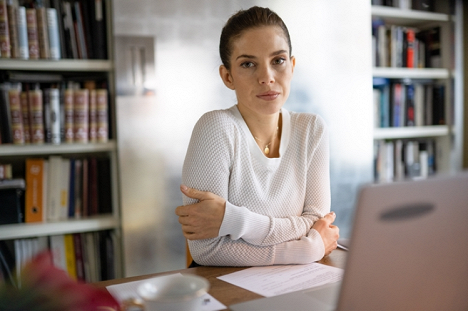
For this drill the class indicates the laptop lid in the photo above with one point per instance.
(409, 247)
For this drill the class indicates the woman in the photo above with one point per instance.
(256, 176)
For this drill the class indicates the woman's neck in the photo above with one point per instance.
(266, 130)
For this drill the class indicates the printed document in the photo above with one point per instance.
(271, 281)
(128, 290)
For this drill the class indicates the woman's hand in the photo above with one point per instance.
(328, 232)
(201, 220)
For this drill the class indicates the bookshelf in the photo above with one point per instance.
(436, 143)
(107, 222)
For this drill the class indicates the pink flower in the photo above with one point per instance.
(45, 287)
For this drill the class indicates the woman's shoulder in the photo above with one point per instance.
(215, 121)
(307, 121)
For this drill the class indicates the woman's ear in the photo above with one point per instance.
(226, 77)
(293, 62)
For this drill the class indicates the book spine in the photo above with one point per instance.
(5, 49)
(99, 27)
(34, 190)
(79, 30)
(78, 193)
(81, 113)
(410, 105)
(43, 33)
(64, 188)
(84, 188)
(102, 116)
(25, 114)
(54, 41)
(23, 46)
(57, 5)
(31, 24)
(54, 97)
(69, 111)
(80, 272)
(92, 116)
(54, 191)
(13, 28)
(37, 116)
(69, 29)
(410, 37)
(47, 116)
(5, 115)
(16, 116)
(93, 187)
(71, 192)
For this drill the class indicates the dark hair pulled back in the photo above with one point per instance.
(247, 19)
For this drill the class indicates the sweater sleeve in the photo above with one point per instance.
(263, 230)
(207, 168)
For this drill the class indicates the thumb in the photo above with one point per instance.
(193, 193)
(330, 217)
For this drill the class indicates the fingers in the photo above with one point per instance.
(194, 193)
(330, 217)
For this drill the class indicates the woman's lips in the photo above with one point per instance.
(270, 95)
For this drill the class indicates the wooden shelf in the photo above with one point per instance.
(411, 132)
(413, 73)
(11, 150)
(57, 65)
(407, 17)
(27, 230)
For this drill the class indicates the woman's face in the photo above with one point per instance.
(261, 70)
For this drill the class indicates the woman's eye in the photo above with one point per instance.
(279, 61)
(247, 64)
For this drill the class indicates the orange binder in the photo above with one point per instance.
(34, 204)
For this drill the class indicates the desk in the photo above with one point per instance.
(226, 293)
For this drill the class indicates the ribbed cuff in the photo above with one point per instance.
(240, 222)
(306, 250)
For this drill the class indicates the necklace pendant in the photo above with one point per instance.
(267, 150)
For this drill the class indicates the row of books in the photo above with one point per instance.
(396, 160)
(59, 29)
(422, 5)
(408, 103)
(69, 114)
(59, 188)
(405, 47)
(86, 257)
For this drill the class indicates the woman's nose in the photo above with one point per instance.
(266, 75)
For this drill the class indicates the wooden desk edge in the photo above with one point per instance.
(226, 293)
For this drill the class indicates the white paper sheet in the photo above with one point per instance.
(276, 280)
(129, 290)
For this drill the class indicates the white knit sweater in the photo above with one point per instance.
(271, 203)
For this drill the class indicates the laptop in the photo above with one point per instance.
(408, 251)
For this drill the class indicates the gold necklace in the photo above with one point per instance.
(266, 150)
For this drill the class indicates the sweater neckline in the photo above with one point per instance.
(254, 148)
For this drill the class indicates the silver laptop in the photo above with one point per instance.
(408, 251)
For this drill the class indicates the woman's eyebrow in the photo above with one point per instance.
(252, 56)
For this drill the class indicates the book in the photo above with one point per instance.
(428, 105)
(5, 114)
(57, 5)
(79, 31)
(69, 30)
(55, 188)
(410, 37)
(80, 270)
(98, 24)
(85, 188)
(92, 116)
(47, 117)
(33, 37)
(88, 31)
(34, 203)
(438, 105)
(81, 114)
(6, 171)
(11, 196)
(91, 260)
(16, 115)
(36, 115)
(70, 256)
(7, 261)
(23, 45)
(104, 185)
(93, 191)
(5, 49)
(410, 105)
(13, 29)
(64, 188)
(42, 33)
(78, 204)
(102, 115)
(71, 190)
(57, 248)
(54, 38)
(419, 104)
(69, 115)
(26, 117)
(54, 100)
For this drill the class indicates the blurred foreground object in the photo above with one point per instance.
(45, 287)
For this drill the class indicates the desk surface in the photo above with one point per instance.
(226, 293)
